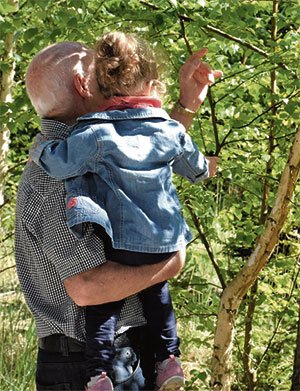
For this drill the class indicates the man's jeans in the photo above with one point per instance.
(58, 372)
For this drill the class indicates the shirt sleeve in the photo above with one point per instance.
(62, 159)
(191, 163)
(56, 244)
(76, 256)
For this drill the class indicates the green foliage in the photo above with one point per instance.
(18, 345)
(225, 213)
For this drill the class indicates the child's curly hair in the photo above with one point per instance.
(124, 64)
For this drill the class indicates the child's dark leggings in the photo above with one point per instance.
(158, 310)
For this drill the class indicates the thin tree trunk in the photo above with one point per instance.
(249, 372)
(235, 291)
(296, 370)
(5, 97)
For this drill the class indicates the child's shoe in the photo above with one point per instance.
(100, 383)
(169, 375)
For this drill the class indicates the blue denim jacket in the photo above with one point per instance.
(117, 166)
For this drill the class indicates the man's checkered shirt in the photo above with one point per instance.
(47, 252)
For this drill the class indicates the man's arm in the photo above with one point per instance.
(112, 281)
(195, 77)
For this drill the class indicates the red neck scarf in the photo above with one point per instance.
(129, 102)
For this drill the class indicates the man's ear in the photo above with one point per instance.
(81, 85)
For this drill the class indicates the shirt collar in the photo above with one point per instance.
(54, 129)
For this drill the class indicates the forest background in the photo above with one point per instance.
(237, 300)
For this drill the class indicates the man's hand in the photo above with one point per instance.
(195, 77)
(212, 165)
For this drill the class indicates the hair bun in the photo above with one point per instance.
(124, 64)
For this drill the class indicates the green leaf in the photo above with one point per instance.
(291, 107)
(7, 7)
(30, 33)
(3, 108)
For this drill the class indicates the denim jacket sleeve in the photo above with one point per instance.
(191, 163)
(62, 159)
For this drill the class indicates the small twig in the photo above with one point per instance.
(192, 285)
(247, 69)
(183, 34)
(241, 83)
(7, 237)
(7, 268)
(212, 104)
(190, 313)
(251, 140)
(206, 244)
(149, 5)
(236, 39)
(280, 319)
(270, 108)
(7, 255)
(21, 163)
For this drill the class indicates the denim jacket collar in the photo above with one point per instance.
(115, 115)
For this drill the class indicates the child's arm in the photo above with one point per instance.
(63, 159)
(192, 164)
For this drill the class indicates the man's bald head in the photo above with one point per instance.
(50, 79)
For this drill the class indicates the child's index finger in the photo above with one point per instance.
(200, 53)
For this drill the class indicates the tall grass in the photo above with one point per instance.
(18, 346)
(17, 333)
(18, 342)
(196, 299)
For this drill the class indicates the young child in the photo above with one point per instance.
(117, 165)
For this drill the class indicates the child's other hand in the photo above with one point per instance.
(205, 75)
(213, 162)
(195, 76)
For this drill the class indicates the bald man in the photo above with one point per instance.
(59, 273)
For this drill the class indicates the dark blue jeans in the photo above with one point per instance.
(68, 372)
(157, 306)
(101, 325)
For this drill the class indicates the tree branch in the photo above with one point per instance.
(183, 34)
(242, 42)
(7, 237)
(212, 104)
(241, 83)
(206, 243)
(245, 140)
(279, 320)
(271, 108)
(201, 314)
(7, 268)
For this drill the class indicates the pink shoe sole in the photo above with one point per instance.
(100, 383)
(174, 383)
